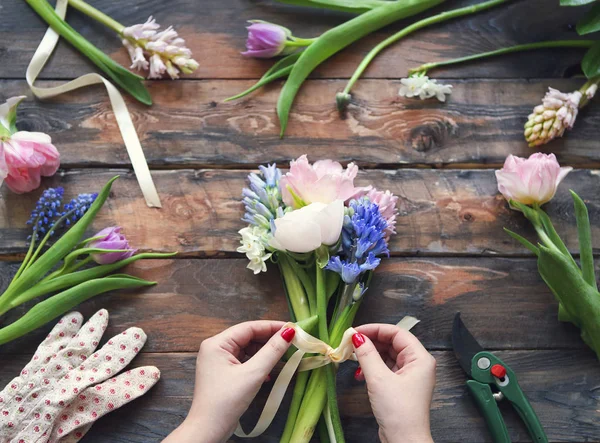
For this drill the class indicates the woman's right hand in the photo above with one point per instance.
(400, 376)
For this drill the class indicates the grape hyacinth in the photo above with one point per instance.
(77, 207)
(46, 211)
(159, 52)
(262, 200)
(363, 240)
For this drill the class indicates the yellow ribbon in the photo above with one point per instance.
(130, 138)
(306, 344)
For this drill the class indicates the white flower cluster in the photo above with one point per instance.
(159, 52)
(253, 243)
(556, 114)
(423, 87)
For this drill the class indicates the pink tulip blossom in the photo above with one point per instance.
(387, 203)
(111, 238)
(323, 182)
(530, 181)
(25, 157)
(266, 40)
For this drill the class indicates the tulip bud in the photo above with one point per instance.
(110, 238)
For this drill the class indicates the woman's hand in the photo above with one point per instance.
(400, 376)
(230, 369)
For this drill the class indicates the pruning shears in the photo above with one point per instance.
(491, 382)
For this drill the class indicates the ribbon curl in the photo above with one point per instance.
(306, 344)
(130, 137)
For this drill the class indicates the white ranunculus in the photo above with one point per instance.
(307, 228)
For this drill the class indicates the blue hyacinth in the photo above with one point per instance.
(77, 207)
(363, 241)
(262, 200)
(47, 210)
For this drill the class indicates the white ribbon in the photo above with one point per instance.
(130, 138)
(307, 344)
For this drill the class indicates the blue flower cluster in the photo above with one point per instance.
(262, 200)
(48, 211)
(363, 240)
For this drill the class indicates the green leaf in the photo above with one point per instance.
(280, 69)
(585, 241)
(553, 235)
(130, 82)
(351, 6)
(575, 2)
(580, 300)
(61, 303)
(590, 22)
(76, 278)
(591, 61)
(337, 39)
(523, 241)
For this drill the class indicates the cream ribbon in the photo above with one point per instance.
(130, 138)
(307, 344)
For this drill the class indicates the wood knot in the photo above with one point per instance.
(432, 134)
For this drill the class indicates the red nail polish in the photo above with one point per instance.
(358, 374)
(358, 340)
(288, 334)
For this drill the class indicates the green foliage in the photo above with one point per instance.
(591, 22)
(591, 61)
(575, 2)
(352, 6)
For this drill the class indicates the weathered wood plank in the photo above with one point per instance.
(441, 211)
(215, 31)
(195, 299)
(480, 125)
(561, 385)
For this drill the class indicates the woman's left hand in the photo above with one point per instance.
(230, 369)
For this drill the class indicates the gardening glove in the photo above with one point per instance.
(68, 384)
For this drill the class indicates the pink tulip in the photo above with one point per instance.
(323, 182)
(387, 203)
(532, 180)
(111, 238)
(24, 156)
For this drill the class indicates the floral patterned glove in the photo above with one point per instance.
(68, 384)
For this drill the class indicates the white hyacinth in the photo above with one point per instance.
(158, 52)
(423, 87)
(254, 239)
(553, 117)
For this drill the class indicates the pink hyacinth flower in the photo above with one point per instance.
(532, 180)
(25, 157)
(323, 182)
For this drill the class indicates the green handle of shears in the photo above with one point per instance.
(518, 400)
(482, 394)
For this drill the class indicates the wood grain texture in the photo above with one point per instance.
(561, 385)
(480, 125)
(503, 301)
(215, 31)
(441, 212)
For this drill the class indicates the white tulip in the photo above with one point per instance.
(307, 228)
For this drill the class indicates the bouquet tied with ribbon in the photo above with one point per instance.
(327, 237)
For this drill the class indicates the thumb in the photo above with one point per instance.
(368, 357)
(269, 355)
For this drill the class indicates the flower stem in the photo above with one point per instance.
(585, 99)
(439, 18)
(423, 69)
(297, 296)
(300, 42)
(28, 255)
(97, 15)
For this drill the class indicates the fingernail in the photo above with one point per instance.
(288, 334)
(358, 374)
(358, 340)
(268, 378)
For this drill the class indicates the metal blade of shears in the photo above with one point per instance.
(464, 344)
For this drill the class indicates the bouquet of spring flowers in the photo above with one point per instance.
(60, 268)
(327, 237)
(527, 184)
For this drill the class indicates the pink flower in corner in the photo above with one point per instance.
(532, 180)
(25, 157)
(323, 182)
(387, 203)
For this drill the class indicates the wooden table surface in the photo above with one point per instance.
(450, 253)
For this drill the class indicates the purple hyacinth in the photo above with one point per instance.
(363, 240)
(262, 200)
(266, 40)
